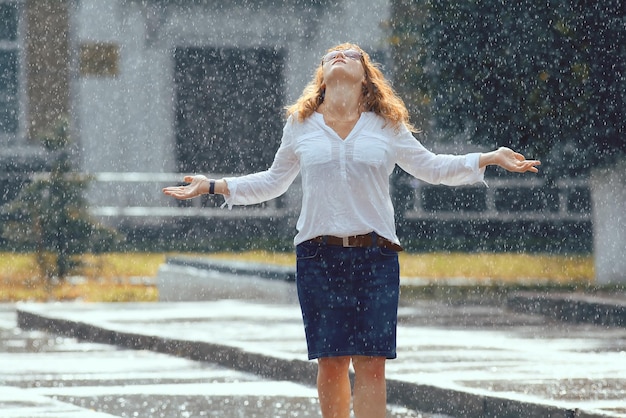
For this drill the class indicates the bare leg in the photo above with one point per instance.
(333, 386)
(370, 387)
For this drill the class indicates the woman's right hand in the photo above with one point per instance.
(198, 185)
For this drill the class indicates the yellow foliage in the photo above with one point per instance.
(107, 276)
(500, 267)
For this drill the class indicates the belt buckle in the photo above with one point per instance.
(346, 242)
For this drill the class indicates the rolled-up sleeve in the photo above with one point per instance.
(450, 170)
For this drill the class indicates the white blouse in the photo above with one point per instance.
(345, 182)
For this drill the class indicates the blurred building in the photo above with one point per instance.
(156, 87)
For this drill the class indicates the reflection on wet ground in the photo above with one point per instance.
(485, 354)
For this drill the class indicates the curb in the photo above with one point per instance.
(266, 271)
(414, 396)
(571, 307)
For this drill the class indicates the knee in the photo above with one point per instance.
(369, 367)
(333, 366)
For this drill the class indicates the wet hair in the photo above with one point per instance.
(379, 96)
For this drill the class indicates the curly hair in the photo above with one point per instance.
(379, 96)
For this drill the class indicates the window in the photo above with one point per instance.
(229, 103)
(9, 69)
(99, 60)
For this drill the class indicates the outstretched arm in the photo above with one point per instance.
(509, 160)
(198, 185)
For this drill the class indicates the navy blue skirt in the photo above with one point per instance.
(349, 299)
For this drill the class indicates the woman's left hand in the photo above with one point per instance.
(509, 160)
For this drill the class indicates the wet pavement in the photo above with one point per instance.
(243, 355)
(47, 375)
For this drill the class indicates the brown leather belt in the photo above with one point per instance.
(357, 241)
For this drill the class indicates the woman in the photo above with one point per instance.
(344, 135)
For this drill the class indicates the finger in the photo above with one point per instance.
(188, 179)
(530, 166)
(173, 190)
(178, 195)
(170, 192)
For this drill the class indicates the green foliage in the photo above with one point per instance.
(50, 214)
(543, 77)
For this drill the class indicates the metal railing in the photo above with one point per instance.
(138, 196)
(505, 200)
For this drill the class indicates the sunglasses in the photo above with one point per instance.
(348, 53)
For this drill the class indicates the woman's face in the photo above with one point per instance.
(343, 65)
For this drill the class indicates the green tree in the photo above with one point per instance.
(546, 78)
(50, 214)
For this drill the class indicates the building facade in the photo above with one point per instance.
(153, 87)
